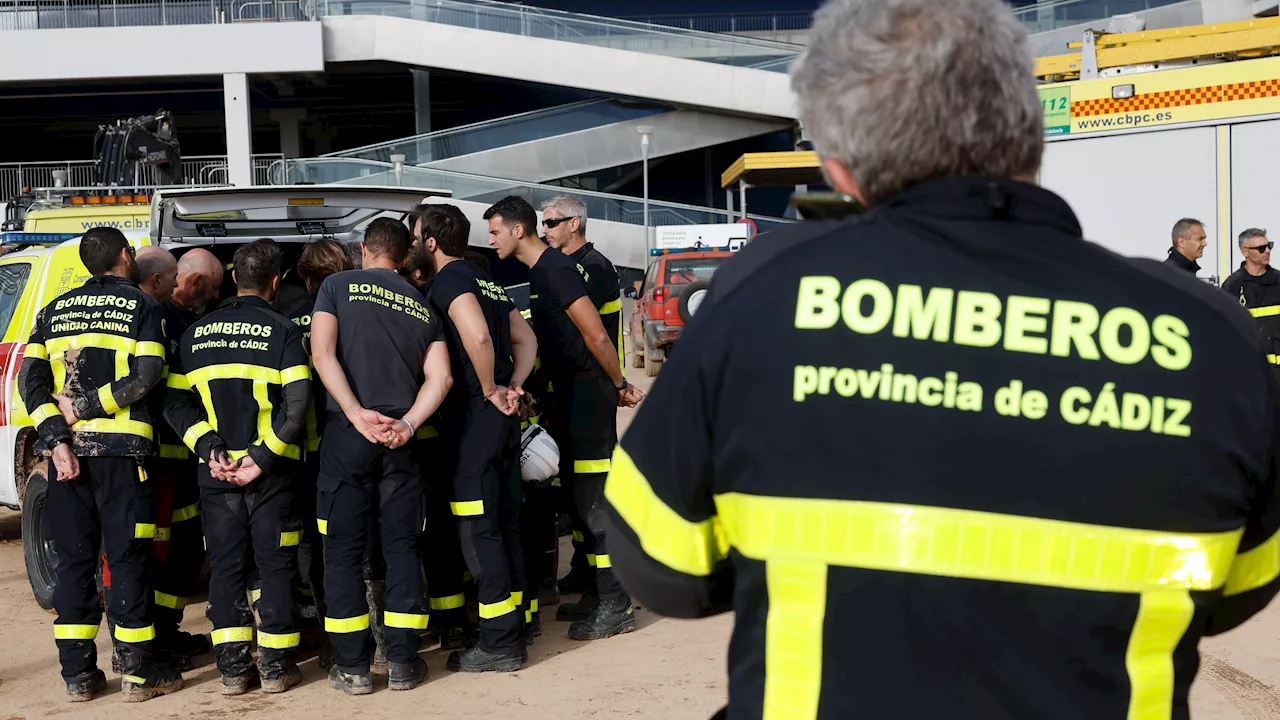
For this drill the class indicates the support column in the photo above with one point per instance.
(235, 100)
(290, 144)
(421, 100)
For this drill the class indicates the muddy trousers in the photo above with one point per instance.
(586, 426)
(354, 473)
(253, 524)
(487, 512)
(178, 552)
(441, 552)
(110, 507)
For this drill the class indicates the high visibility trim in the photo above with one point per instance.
(793, 638)
(693, 548)
(234, 371)
(44, 412)
(75, 632)
(1265, 311)
(555, 482)
(533, 605)
(518, 596)
(255, 595)
(237, 454)
(114, 426)
(206, 399)
(178, 382)
(134, 679)
(144, 531)
(347, 625)
(1255, 568)
(290, 539)
(578, 536)
(163, 534)
(322, 525)
(311, 438)
(611, 307)
(294, 374)
(189, 512)
(101, 341)
(194, 433)
(311, 444)
(35, 351)
(978, 545)
(1163, 618)
(528, 616)
(136, 635)
(109, 404)
(146, 348)
(427, 431)
(1273, 359)
(408, 621)
(266, 432)
(170, 601)
(279, 642)
(470, 508)
(591, 559)
(498, 609)
(234, 634)
(452, 602)
(587, 467)
(173, 452)
(603, 562)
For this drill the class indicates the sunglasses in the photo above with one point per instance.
(1262, 248)
(552, 222)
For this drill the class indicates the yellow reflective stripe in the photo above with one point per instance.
(1255, 568)
(449, 603)
(470, 508)
(44, 412)
(290, 539)
(134, 679)
(526, 314)
(194, 433)
(255, 595)
(579, 537)
(144, 531)
(555, 482)
(528, 616)
(163, 534)
(109, 404)
(533, 605)
(114, 426)
(591, 466)
(266, 433)
(591, 559)
(427, 431)
(136, 635)
(146, 348)
(693, 548)
(178, 382)
(234, 371)
(1265, 311)
(294, 374)
(793, 638)
(347, 625)
(603, 561)
(279, 642)
(189, 512)
(100, 341)
(35, 351)
(234, 634)
(75, 632)
(237, 454)
(311, 441)
(206, 399)
(518, 596)
(969, 544)
(1273, 359)
(409, 621)
(173, 452)
(489, 612)
(1163, 618)
(311, 444)
(323, 526)
(612, 306)
(170, 601)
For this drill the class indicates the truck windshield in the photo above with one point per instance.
(680, 272)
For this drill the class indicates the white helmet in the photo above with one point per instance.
(539, 456)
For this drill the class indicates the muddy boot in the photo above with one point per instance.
(407, 676)
(278, 675)
(239, 684)
(611, 616)
(475, 660)
(158, 681)
(349, 683)
(572, 612)
(235, 662)
(325, 660)
(452, 638)
(86, 686)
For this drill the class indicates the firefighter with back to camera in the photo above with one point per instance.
(94, 354)
(1003, 478)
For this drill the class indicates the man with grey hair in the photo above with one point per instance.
(565, 220)
(157, 272)
(1256, 286)
(1188, 245)
(949, 442)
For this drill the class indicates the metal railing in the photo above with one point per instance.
(1046, 16)
(772, 26)
(197, 169)
(505, 131)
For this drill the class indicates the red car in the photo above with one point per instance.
(670, 293)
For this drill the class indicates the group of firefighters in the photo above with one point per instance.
(353, 460)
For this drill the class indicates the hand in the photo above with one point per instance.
(221, 466)
(247, 472)
(400, 435)
(630, 396)
(500, 396)
(374, 426)
(65, 462)
(67, 407)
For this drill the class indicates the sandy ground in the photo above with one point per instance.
(668, 669)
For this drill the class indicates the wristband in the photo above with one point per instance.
(622, 387)
(405, 420)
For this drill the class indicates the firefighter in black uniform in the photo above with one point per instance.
(582, 364)
(238, 394)
(565, 218)
(95, 353)
(1188, 245)
(1256, 286)
(385, 367)
(491, 352)
(1001, 478)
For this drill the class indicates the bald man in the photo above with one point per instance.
(157, 272)
(199, 281)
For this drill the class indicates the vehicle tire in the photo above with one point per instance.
(637, 358)
(690, 298)
(37, 549)
(652, 367)
(653, 355)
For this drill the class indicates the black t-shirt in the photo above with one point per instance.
(602, 287)
(555, 283)
(384, 330)
(454, 280)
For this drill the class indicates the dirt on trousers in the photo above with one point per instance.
(666, 670)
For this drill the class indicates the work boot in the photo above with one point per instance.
(161, 681)
(532, 629)
(452, 638)
(86, 686)
(581, 610)
(191, 645)
(239, 684)
(475, 660)
(611, 616)
(407, 676)
(279, 676)
(579, 580)
(349, 683)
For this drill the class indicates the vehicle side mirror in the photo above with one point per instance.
(629, 292)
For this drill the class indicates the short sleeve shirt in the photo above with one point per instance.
(555, 283)
(454, 280)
